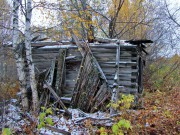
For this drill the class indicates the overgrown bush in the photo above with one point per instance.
(122, 124)
(163, 74)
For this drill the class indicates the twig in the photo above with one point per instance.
(94, 119)
(57, 130)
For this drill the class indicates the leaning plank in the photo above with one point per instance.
(88, 85)
(60, 71)
(86, 49)
(78, 82)
(79, 45)
(101, 96)
(57, 97)
(51, 74)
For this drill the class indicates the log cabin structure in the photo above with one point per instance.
(88, 75)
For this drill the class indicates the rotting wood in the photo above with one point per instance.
(86, 49)
(140, 73)
(51, 74)
(115, 92)
(60, 72)
(101, 96)
(102, 54)
(88, 86)
(76, 92)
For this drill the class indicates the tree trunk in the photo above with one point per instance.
(33, 82)
(19, 56)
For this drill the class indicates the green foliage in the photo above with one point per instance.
(49, 111)
(42, 116)
(49, 121)
(6, 131)
(103, 131)
(122, 125)
(167, 114)
(124, 103)
(43, 120)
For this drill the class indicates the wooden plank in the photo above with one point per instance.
(59, 84)
(51, 74)
(47, 54)
(105, 55)
(123, 83)
(122, 62)
(113, 66)
(128, 90)
(125, 78)
(115, 93)
(70, 83)
(78, 82)
(43, 56)
(45, 50)
(116, 78)
(140, 75)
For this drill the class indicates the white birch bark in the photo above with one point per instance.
(33, 83)
(19, 55)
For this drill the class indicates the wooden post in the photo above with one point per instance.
(115, 93)
(51, 73)
(60, 72)
(140, 67)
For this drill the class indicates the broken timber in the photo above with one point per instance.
(86, 75)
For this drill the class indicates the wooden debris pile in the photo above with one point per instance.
(86, 76)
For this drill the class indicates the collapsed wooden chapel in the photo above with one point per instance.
(84, 75)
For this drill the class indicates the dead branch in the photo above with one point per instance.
(57, 130)
(57, 98)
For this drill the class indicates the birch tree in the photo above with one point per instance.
(18, 51)
(33, 83)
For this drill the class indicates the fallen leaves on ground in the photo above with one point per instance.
(161, 114)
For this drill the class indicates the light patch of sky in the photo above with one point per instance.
(44, 17)
(41, 17)
(173, 6)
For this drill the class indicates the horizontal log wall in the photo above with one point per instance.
(105, 55)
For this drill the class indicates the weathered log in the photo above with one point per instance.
(88, 85)
(60, 72)
(115, 94)
(105, 40)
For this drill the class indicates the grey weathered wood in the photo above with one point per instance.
(78, 81)
(115, 92)
(51, 74)
(140, 75)
(104, 54)
(85, 50)
(122, 62)
(60, 72)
